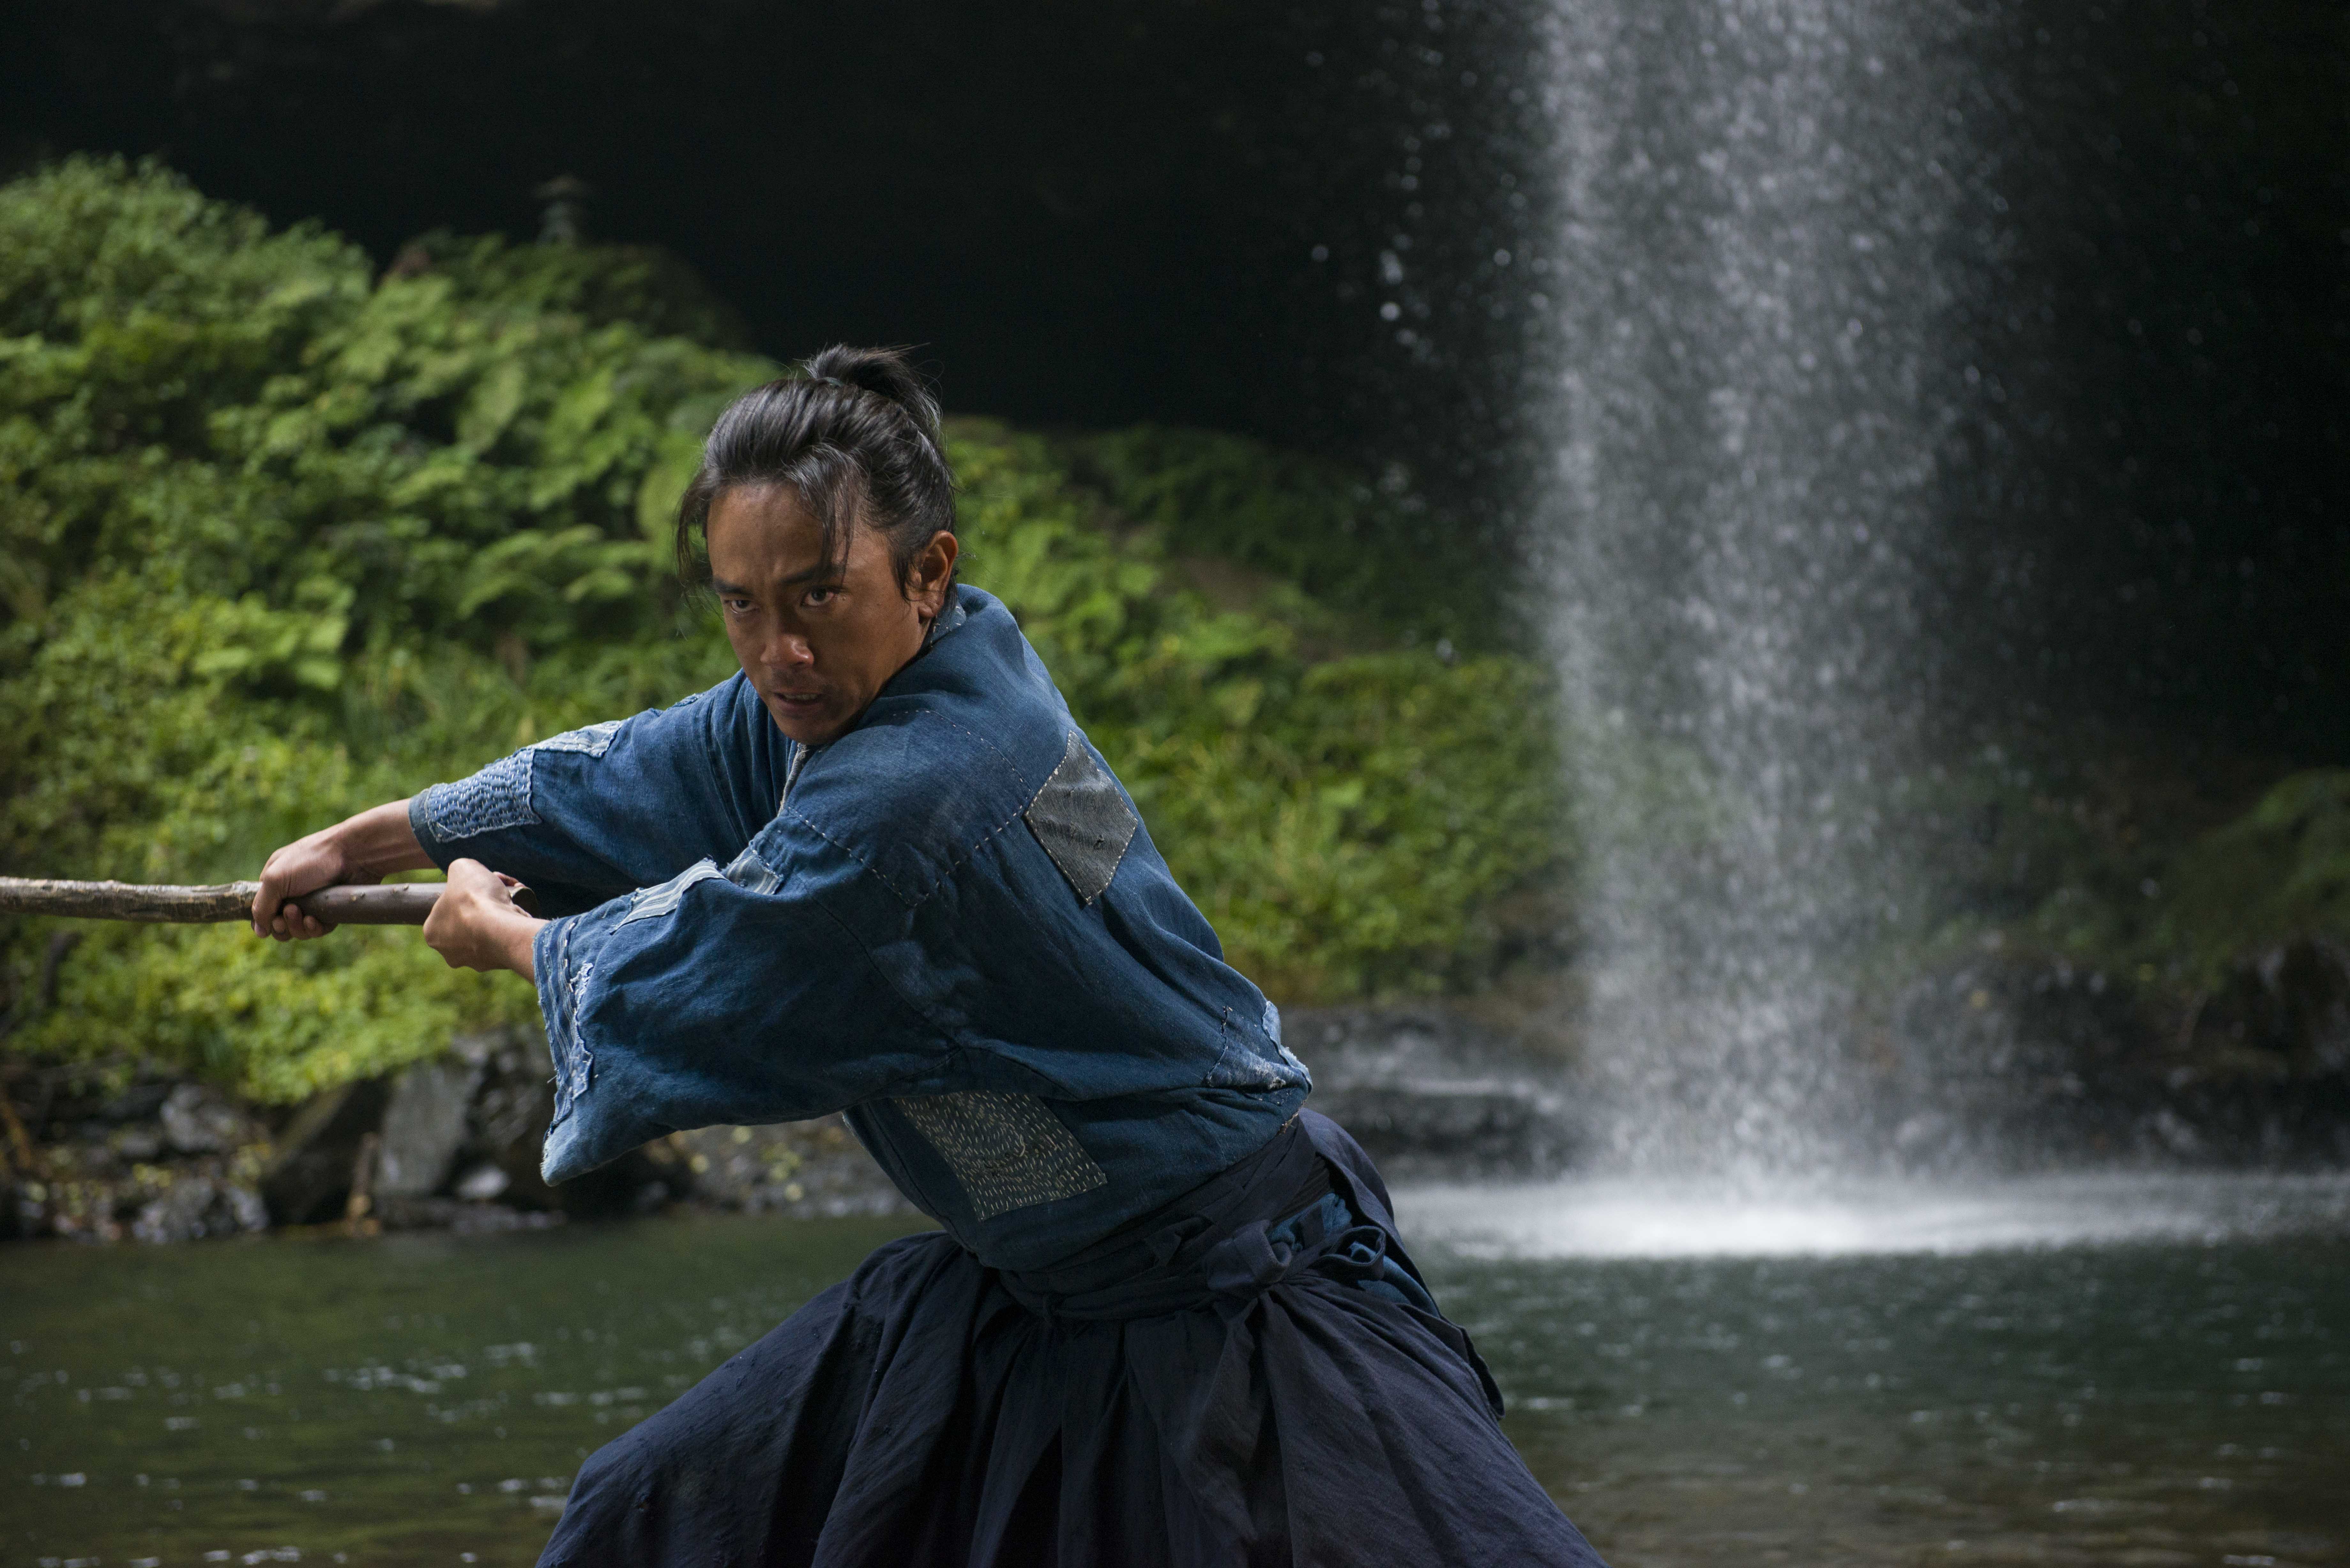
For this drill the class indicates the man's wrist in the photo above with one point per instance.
(348, 850)
(378, 841)
(521, 947)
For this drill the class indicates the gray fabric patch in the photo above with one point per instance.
(567, 998)
(750, 873)
(582, 1061)
(594, 741)
(498, 796)
(646, 903)
(1008, 1150)
(1082, 820)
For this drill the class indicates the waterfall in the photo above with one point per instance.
(1748, 403)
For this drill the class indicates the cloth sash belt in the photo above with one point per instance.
(1269, 1219)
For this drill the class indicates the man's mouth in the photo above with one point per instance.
(800, 701)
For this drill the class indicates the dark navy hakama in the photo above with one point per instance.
(1209, 1387)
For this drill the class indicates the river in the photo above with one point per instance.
(2143, 1371)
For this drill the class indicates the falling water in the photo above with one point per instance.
(1757, 197)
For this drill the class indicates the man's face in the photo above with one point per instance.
(817, 640)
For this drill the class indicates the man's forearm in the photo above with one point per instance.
(378, 841)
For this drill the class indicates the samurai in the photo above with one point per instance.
(1166, 1316)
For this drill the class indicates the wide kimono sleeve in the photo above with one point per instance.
(736, 995)
(595, 813)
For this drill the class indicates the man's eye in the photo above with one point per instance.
(738, 607)
(821, 595)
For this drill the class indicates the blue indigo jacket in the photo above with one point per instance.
(950, 923)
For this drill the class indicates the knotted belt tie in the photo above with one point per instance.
(1234, 1270)
(1323, 1237)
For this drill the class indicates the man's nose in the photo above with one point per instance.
(786, 649)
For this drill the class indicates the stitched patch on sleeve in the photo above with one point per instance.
(1082, 820)
(750, 873)
(580, 1063)
(1008, 1150)
(566, 997)
(498, 796)
(646, 903)
(594, 741)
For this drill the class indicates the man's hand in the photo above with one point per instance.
(361, 849)
(303, 866)
(477, 924)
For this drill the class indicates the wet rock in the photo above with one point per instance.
(195, 1207)
(1433, 1096)
(138, 1103)
(138, 1144)
(804, 1169)
(506, 1121)
(425, 1126)
(506, 1124)
(77, 1211)
(2027, 1059)
(310, 1175)
(2260, 1069)
(483, 1184)
(195, 1120)
(1994, 1060)
(93, 1151)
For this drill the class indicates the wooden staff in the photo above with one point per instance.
(398, 904)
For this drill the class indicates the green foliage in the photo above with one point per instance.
(2279, 871)
(643, 285)
(1372, 551)
(280, 539)
(2121, 864)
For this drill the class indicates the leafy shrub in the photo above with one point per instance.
(2279, 871)
(643, 285)
(1374, 549)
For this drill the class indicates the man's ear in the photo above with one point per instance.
(932, 569)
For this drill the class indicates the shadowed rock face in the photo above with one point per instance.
(198, 1121)
(196, 1208)
(450, 1144)
(86, 1157)
(309, 1175)
(2030, 1061)
(1431, 1096)
(807, 1170)
(424, 1127)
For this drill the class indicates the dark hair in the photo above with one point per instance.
(856, 434)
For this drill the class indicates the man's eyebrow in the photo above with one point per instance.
(727, 586)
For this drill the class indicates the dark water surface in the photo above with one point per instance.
(427, 1399)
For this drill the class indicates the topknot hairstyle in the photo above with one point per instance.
(855, 434)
